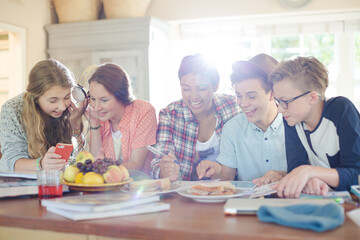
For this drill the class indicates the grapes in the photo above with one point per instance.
(94, 165)
(98, 166)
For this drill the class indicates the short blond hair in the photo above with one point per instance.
(307, 73)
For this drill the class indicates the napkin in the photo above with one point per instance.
(355, 216)
(315, 217)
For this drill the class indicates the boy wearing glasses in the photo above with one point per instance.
(253, 142)
(322, 136)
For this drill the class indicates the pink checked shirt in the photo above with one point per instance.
(138, 128)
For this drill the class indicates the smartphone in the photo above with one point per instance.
(64, 149)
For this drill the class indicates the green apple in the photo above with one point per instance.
(70, 173)
(83, 156)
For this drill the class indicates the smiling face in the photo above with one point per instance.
(105, 105)
(197, 93)
(258, 106)
(299, 109)
(55, 101)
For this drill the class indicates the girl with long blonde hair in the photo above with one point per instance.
(32, 123)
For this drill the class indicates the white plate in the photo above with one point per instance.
(173, 188)
(213, 199)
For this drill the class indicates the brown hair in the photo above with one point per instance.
(258, 67)
(115, 80)
(43, 131)
(198, 65)
(236, 78)
(307, 73)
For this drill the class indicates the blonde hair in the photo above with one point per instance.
(307, 73)
(42, 130)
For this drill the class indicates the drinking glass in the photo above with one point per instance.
(49, 184)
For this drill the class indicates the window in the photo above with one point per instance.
(357, 69)
(333, 38)
(4, 73)
(12, 61)
(321, 46)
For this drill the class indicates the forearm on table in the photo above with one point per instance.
(137, 159)
(133, 166)
(328, 175)
(25, 165)
(227, 173)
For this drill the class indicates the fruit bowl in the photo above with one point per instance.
(96, 187)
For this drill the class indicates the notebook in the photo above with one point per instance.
(250, 206)
(121, 212)
(100, 202)
(355, 189)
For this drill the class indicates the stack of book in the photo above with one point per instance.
(16, 184)
(104, 205)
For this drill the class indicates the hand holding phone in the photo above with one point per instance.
(64, 149)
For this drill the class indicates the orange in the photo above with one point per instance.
(92, 178)
(79, 177)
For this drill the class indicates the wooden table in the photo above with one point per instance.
(24, 218)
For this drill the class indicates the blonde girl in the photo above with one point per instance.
(32, 123)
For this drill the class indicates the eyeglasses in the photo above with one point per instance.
(284, 103)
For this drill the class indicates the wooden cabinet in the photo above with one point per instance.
(139, 45)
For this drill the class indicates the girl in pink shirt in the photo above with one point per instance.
(121, 127)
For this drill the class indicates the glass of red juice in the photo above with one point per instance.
(49, 184)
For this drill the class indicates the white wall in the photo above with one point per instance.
(174, 10)
(31, 15)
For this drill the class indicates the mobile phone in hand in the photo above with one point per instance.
(64, 149)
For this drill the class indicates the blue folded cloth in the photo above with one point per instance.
(318, 218)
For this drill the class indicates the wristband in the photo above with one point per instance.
(95, 128)
(38, 164)
(179, 177)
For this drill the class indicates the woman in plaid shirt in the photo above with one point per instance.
(189, 129)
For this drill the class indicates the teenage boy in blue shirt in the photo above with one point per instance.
(253, 142)
(322, 136)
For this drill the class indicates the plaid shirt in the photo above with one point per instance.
(178, 131)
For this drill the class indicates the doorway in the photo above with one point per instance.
(12, 61)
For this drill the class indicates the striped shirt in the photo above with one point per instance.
(178, 131)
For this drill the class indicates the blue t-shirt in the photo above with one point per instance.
(251, 151)
(334, 143)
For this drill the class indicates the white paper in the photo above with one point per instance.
(29, 175)
(355, 216)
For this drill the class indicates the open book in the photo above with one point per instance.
(267, 189)
(263, 190)
(138, 209)
(99, 202)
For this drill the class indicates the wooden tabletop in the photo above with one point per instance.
(186, 219)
